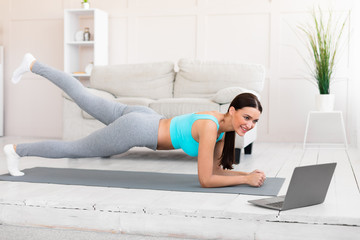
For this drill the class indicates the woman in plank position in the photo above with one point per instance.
(198, 134)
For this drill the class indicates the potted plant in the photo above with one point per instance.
(85, 4)
(323, 39)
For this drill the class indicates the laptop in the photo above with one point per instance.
(308, 186)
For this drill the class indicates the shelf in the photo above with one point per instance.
(81, 43)
(78, 54)
(81, 11)
(80, 75)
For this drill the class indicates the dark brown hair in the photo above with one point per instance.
(240, 101)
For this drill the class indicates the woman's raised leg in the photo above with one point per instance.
(102, 109)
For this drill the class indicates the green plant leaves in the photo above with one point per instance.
(323, 43)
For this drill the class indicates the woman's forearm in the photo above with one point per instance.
(225, 172)
(224, 181)
(255, 178)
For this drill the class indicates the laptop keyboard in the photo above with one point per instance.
(276, 204)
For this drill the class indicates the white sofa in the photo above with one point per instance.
(195, 86)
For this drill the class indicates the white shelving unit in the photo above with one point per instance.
(1, 91)
(78, 54)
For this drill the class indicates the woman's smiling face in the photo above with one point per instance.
(244, 119)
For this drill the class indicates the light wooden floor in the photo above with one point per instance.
(187, 215)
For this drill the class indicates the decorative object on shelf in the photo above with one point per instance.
(86, 34)
(79, 36)
(89, 68)
(85, 4)
(323, 39)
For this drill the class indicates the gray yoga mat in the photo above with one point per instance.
(137, 180)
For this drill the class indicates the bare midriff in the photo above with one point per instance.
(164, 139)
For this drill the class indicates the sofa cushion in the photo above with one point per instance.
(171, 107)
(135, 101)
(226, 95)
(204, 78)
(149, 80)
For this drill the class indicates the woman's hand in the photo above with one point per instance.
(256, 178)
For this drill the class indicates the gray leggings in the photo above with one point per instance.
(126, 126)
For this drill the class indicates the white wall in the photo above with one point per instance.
(256, 31)
(354, 69)
(2, 15)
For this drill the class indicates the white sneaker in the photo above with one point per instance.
(12, 159)
(23, 68)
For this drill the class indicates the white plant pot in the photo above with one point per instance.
(85, 5)
(325, 102)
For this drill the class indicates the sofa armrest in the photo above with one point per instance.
(250, 137)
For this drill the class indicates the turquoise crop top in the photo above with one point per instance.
(180, 132)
